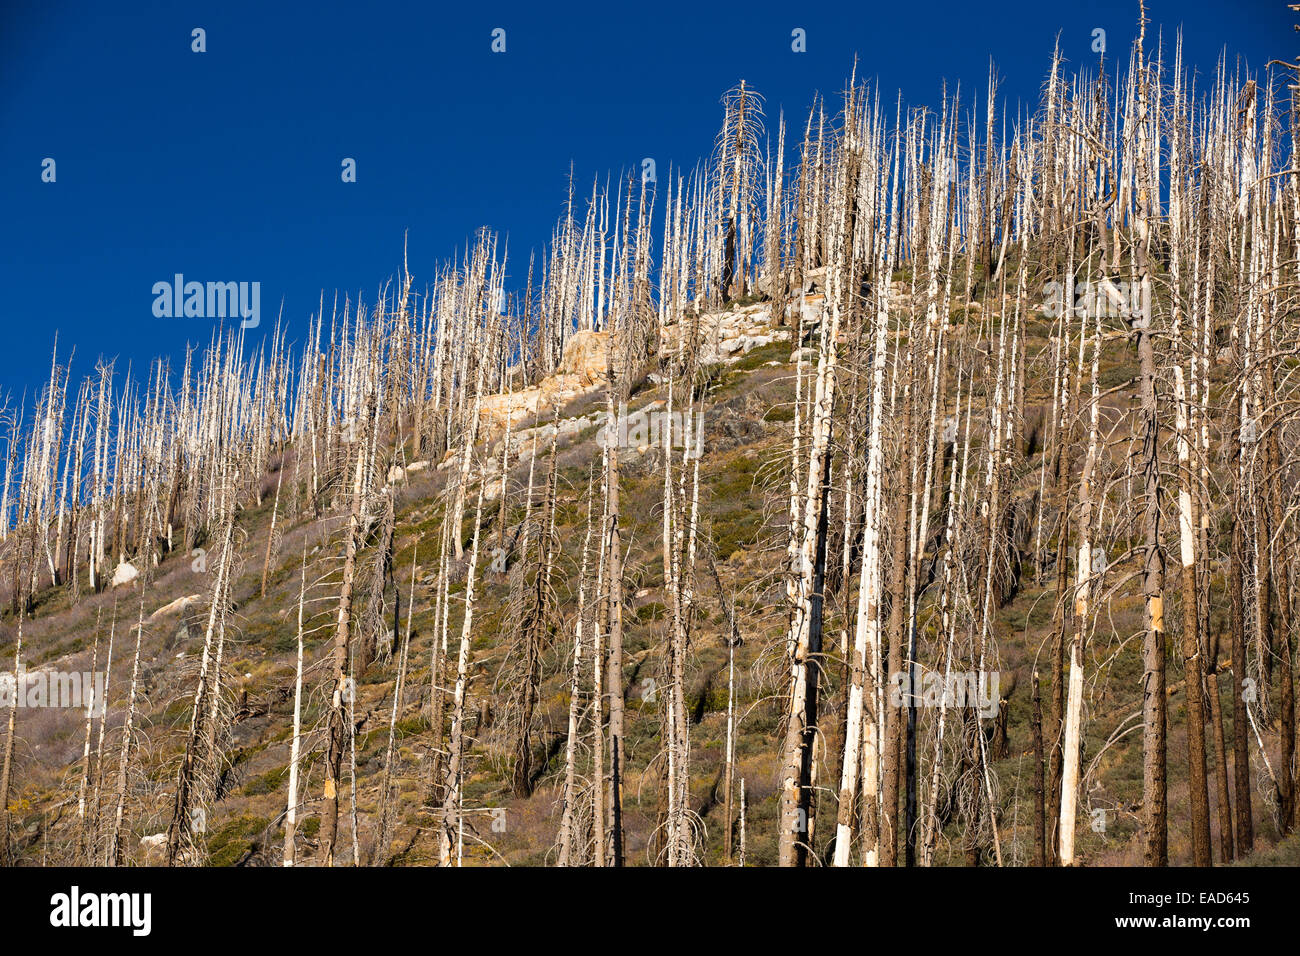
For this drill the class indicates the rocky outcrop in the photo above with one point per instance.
(510, 407)
(585, 356)
(728, 336)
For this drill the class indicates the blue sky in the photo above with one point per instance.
(225, 165)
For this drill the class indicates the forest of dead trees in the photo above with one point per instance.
(1052, 349)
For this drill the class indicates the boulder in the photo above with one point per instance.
(126, 573)
(180, 604)
(155, 849)
(397, 472)
(750, 342)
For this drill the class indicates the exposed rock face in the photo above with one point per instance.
(585, 357)
(510, 407)
(728, 336)
(582, 369)
(558, 389)
(525, 403)
(725, 337)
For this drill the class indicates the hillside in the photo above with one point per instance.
(744, 472)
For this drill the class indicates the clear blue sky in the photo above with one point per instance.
(225, 165)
